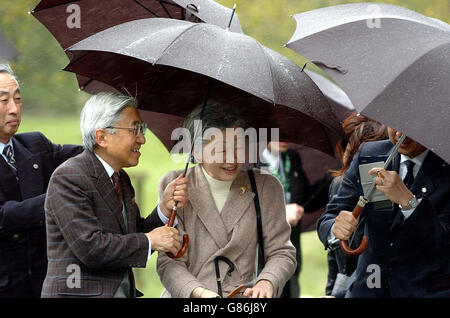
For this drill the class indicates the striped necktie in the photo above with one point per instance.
(8, 152)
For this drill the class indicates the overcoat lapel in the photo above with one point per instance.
(220, 225)
(238, 201)
(203, 203)
(423, 183)
(29, 168)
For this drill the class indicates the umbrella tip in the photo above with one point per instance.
(234, 7)
(31, 12)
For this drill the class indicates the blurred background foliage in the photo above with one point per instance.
(52, 101)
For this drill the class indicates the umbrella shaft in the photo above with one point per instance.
(386, 164)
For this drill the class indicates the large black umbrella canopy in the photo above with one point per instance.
(7, 51)
(168, 65)
(98, 15)
(393, 63)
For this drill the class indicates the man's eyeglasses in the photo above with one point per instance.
(137, 129)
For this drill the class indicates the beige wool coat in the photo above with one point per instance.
(231, 233)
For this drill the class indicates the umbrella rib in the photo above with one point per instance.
(154, 84)
(165, 9)
(87, 83)
(174, 40)
(79, 58)
(271, 73)
(147, 9)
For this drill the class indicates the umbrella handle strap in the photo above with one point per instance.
(185, 245)
(365, 240)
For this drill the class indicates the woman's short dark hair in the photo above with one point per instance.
(215, 115)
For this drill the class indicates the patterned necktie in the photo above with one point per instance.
(409, 178)
(8, 152)
(117, 186)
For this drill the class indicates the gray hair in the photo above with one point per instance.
(101, 111)
(6, 68)
(215, 115)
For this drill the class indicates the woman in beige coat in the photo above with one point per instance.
(220, 219)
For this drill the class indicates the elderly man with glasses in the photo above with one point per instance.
(95, 233)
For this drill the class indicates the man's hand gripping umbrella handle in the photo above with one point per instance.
(185, 245)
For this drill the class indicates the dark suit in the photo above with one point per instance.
(85, 227)
(413, 254)
(23, 258)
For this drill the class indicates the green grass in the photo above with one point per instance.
(154, 162)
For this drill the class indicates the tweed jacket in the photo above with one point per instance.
(86, 228)
(231, 233)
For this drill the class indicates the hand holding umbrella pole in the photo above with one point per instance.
(173, 214)
(185, 245)
(363, 200)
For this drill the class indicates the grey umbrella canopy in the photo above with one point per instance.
(393, 63)
(70, 21)
(168, 65)
(7, 51)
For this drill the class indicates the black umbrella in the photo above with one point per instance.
(60, 16)
(167, 64)
(392, 62)
(7, 51)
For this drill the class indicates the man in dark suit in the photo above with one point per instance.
(26, 164)
(286, 165)
(408, 253)
(95, 233)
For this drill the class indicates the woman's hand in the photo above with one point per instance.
(201, 292)
(262, 289)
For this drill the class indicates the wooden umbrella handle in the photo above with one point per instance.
(236, 291)
(365, 240)
(185, 245)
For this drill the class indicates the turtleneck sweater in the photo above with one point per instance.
(219, 189)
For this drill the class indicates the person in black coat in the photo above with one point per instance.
(26, 164)
(409, 251)
(301, 197)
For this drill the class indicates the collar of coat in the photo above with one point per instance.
(237, 203)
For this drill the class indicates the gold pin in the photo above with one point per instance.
(243, 189)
